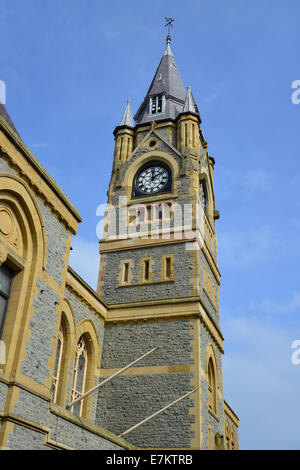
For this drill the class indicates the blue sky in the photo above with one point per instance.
(69, 68)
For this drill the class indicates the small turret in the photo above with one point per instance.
(124, 134)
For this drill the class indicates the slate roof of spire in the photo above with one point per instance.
(190, 104)
(127, 116)
(5, 115)
(166, 81)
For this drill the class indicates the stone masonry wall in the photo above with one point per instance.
(125, 343)
(128, 400)
(62, 431)
(57, 236)
(181, 287)
(42, 328)
(132, 397)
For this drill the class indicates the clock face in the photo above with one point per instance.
(152, 180)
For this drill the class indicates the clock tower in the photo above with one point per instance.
(159, 277)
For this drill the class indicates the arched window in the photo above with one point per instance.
(212, 386)
(6, 277)
(204, 197)
(79, 379)
(63, 355)
(57, 365)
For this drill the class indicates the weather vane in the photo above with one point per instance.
(169, 24)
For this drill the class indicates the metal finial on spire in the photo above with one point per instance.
(169, 25)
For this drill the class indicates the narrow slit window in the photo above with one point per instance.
(168, 268)
(128, 146)
(121, 148)
(147, 270)
(193, 135)
(211, 387)
(159, 213)
(204, 197)
(126, 273)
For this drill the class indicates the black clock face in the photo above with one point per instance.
(152, 179)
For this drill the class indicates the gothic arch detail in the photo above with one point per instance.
(24, 249)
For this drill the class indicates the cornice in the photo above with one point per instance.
(165, 309)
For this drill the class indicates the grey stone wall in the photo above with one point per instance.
(127, 400)
(35, 366)
(42, 332)
(125, 343)
(182, 287)
(3, 392)
(57, 236)
(62, 431)
(24, 438)
(4, 167)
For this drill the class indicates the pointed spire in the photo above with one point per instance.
(189, 104)
(166, 82)
(127, 116)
